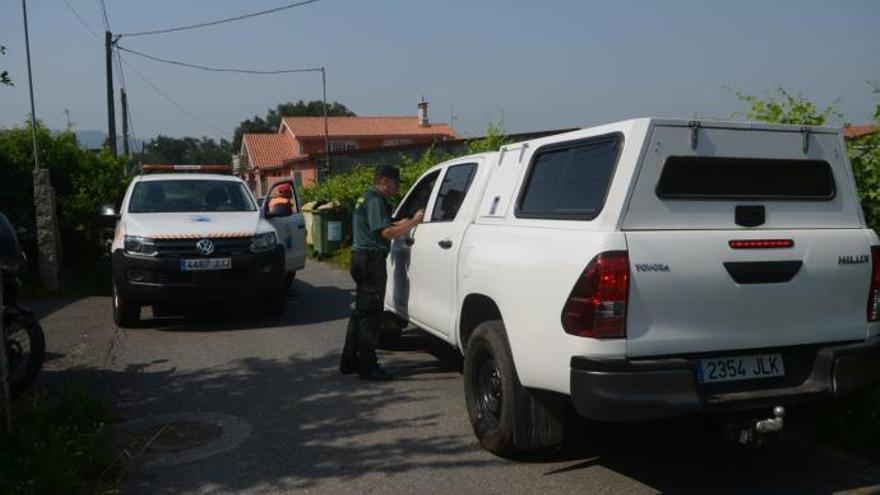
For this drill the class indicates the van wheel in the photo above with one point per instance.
(125, 314)
(506, 417)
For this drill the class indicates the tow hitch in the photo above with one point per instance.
(752, 432)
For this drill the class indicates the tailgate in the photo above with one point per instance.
(697, 190)
(685, 297)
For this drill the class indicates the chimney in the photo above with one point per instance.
(423, 113)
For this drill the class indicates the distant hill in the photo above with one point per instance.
(92, 140)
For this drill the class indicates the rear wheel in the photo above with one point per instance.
(25, 352)
(125, 313)
(506, 417)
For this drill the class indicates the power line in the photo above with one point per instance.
(221, 21)
(81, 21)
(155, 88)
(171, 100)
(215, 69)
(104, 11)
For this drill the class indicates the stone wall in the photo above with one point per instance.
(48, 236)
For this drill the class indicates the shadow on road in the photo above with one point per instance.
(310, 423)
(307, 304)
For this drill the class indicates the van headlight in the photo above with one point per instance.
(143, 246)
(264, 242)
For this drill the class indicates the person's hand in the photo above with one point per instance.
(419, 216)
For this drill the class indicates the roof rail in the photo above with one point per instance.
(164, 167)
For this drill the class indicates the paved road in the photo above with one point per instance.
(315, 431)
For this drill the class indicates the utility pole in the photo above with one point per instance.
(124, 121)
(326, 126)
(27, 46)
(111, 109)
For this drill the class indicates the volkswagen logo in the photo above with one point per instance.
(205, 246)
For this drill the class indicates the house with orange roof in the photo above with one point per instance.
(297, 150)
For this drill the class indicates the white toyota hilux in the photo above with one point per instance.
(188, 237)
(644, 269)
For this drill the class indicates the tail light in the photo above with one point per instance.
(597, 305)
(874, 294)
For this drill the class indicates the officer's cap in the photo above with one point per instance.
(388, 171)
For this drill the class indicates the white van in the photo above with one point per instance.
(643, 269)
(185, 236)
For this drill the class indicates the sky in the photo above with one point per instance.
(534, 65)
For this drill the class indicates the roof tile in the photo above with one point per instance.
(269, 150)
(310, 127)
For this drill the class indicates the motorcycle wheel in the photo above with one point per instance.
(25, 351)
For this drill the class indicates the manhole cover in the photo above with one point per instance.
(180, 438)
(169, 438)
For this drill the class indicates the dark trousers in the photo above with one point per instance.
(369, 274)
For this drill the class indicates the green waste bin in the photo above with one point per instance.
(328, 229)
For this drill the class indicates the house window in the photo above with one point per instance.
(298, 179)
(343, 145)
(396, 142)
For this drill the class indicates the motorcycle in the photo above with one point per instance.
(23, 337)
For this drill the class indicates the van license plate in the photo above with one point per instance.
(725, 369)
(205, 264)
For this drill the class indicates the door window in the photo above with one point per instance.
(453, 189)
(418, 196)
(282, 193)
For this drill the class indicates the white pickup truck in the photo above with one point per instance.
(644, 269)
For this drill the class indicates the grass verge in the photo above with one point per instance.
(58, 446)
(341, 259)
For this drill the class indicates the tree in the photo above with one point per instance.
(785, 108)
(83, 181)
(272, 122)
(863, 153)
(4, 76)
(187, 150)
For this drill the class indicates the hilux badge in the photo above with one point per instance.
(858, 259)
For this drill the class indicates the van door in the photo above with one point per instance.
(291, 228)
(400, 266)
(435, 248)
(744, 242)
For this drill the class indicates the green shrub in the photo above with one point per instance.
(58, 446)
(83, 181)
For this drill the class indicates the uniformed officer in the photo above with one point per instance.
(373, 232)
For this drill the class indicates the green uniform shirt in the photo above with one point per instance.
(371, 216)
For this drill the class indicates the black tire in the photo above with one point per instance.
(506, 417)
(25, 350)
(291, 276)
(125, 314)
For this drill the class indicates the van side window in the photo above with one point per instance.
(570, 181)
(418, 196)
(453, 189)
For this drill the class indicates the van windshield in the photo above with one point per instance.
(181, 196)
(698, 177)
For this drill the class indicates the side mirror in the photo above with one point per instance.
(109, 215)
(283, 209)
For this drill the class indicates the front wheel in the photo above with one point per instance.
(25, 351)
(506, 417)
(125, 314)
